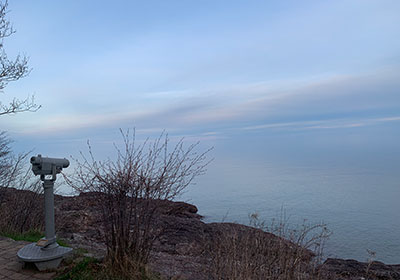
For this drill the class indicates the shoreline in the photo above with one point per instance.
(79, 223)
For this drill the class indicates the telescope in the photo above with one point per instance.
(46, 253)
(48, 166)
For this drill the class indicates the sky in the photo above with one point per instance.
(300, 100)
(259, 77)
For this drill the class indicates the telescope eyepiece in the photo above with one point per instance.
(36, 160)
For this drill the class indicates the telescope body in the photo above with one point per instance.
(48, 166)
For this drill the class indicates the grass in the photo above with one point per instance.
(30, 236)
(85, 269)
(253, 254)
(80, 267)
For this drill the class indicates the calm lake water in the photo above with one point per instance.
(360, 205)
(348, 179)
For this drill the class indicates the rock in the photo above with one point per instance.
(352, 269)
(180, 248)
(179, 252)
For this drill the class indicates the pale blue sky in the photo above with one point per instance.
(300, 100)
(207, 70)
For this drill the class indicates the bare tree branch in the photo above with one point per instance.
(12, 69)
(18, 106)
(131, 189)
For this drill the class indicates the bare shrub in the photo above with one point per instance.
(257, 254)
(22, 209)
(20, 203)
(11, 165)
(5, 159)
(129, 191)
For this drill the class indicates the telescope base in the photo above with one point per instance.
(41, 257)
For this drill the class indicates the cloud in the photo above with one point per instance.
(275, 104)
(315, 99)
(323, 124)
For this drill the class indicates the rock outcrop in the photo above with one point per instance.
(180, 250)
(352, 269)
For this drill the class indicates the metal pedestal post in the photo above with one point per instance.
(50, 232)
(46, 253)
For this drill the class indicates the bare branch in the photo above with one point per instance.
(18, 106)
(12, 69)
(131, 188)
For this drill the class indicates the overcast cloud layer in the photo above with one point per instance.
(203, 65)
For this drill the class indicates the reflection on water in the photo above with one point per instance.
(361, 206)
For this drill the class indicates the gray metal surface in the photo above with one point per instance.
(34, 253)
(50, 231)
(48, 264)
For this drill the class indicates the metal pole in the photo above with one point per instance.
(50, 232)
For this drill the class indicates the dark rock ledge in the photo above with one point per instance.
(178, 252)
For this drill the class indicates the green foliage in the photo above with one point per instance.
(62, 242)
(32, 235)
(88, 268)
(83, 270)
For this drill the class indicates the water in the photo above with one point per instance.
(360, 205)
(346, 178)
